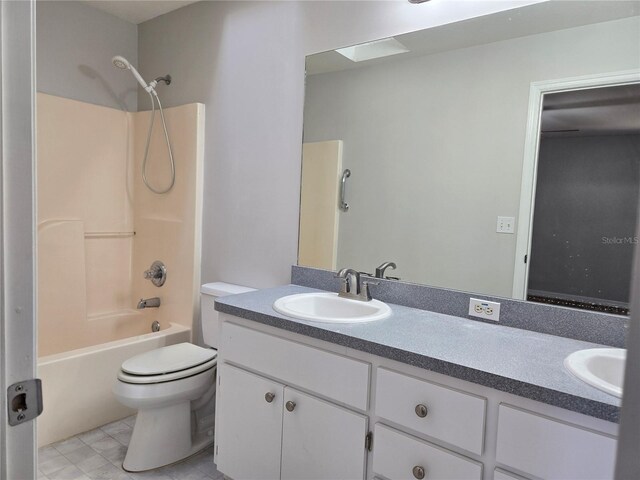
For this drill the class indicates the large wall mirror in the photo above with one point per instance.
(499, 155)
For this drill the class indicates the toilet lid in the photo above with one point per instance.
(203, 368)
(170, 359)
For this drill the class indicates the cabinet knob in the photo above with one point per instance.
(269, 397)
(421, 410)
(290, 406)
(418, 472)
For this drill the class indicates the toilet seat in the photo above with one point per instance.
(166, 377)
(167, 364)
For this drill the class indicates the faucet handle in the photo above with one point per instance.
(380, 270)
(152, 273)
(366, 293)
(157, 273)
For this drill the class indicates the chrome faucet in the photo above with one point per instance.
(351, 281)
(148, 303)
(157, 273)
(352, 287)
(380, 270)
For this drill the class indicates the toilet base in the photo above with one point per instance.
(162, 436)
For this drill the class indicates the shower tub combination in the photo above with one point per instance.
(99, 229)
(77, 384)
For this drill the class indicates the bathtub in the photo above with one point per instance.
(77, 384)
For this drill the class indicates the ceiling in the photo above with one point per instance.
(593, 111)
(138, 11)
(531, 20)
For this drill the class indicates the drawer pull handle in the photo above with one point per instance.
(290, 406)
(418, 472)
(421, 410)
(269, 397)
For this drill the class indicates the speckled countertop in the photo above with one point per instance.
(524, 363)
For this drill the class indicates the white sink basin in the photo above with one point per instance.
(602, 368)
(330, 308)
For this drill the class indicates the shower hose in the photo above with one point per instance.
(146, 148)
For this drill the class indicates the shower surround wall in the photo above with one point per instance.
(168, 226)
(99, 228)
(85, 224)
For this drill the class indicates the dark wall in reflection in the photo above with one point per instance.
(585, 217)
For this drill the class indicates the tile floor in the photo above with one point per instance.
(98, 455)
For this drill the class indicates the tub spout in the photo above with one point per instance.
(149, 303)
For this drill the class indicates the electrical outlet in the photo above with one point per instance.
(484, 309)
(506, 225)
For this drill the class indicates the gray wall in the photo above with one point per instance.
(435, 147)
(245, 61)
(75, 44)
(224, 55)
(628, 460)
(587, 190)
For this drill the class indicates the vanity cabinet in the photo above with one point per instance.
(269, 429)
(292, 407)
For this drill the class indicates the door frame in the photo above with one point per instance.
(537, 91)
(17, 228)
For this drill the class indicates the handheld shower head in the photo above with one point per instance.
(122, 63)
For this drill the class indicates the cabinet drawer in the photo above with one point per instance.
(551, 449)
(334, 376)
(396, 454)
(452, 416)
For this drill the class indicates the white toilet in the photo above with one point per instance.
(173, 389)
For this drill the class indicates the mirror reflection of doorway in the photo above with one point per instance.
(586, 200)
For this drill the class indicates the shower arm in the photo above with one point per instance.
(166, 79)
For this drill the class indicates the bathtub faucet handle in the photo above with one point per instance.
(157, 273)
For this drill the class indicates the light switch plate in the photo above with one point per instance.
(506, 225)
(484, 309)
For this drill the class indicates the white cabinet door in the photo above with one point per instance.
(320, 440)
(552, 449)
(248, 425)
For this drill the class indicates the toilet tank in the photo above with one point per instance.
(208, 315)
